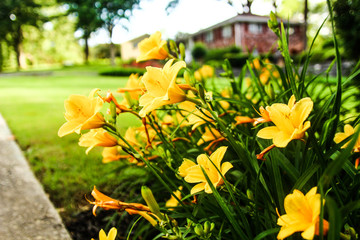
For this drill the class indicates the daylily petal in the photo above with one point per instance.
(268, 132)
(225, 167)
(301, 111)
(195, 175)
(102, 235)
(198, 188)
(217, 156)
(282, 139)
(309, 233)
(279, 118)
(112, 234)
(185, 166)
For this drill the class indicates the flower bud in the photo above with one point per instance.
(201, 92)
(187, 77)
(250, 194)
(199, 229)
(182, 51)
(208, 227)
(112, 112)
(150, 201)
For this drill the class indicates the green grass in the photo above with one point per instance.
(33, 107)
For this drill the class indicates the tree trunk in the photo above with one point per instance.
(1, 57)
(306, 11)
(86, 50)
(112, 46)
(17, 39)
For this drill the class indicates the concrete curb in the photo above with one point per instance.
(25, 212)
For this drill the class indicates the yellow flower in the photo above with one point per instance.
(302, 215)
(97, 137)
(161, 87)
(111, 154)
(111, 235)
(134, 88)
(289, 121)
(152, 48)
(172, 202)
(204, 72)
(210, 134)
(82, 113)
(226, 94)
(197, 117)
(192, 172)
(348, 131)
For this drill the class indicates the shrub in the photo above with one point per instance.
(199, 51)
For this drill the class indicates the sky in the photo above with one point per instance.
(189, 16)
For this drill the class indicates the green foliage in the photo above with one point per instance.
(347, 20)
(245, 176)
(125, 72)
(87, 19)
(103, 51)
(199, 51)
(14, 15)
(221, 53)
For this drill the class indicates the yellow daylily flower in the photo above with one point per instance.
(289, 121)
(134, 88)
(111, 235)
(348, 131)
(111, 154)
(204, 72)
(152, 48)
(172, 202)
(192, 172)
(302, 215)
(97, 137)
(161, 87)
(210, 134)
(82, 113)
(197, 117)
(226, 94)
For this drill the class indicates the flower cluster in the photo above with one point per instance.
(202, 143)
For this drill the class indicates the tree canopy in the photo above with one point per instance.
(14, 14)
(347, 20)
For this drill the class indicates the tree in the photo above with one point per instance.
(14, 14)
(111, 12)
(88, 21)
(347, 22)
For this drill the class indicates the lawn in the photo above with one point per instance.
(33, 107)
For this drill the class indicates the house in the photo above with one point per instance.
(247, 31)
(130, 50)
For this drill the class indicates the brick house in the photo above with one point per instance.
(247, 31)
(129, 50)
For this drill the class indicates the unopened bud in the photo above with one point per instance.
(187, 77)
(250, 194)
(182, 51)
(199, 229)
(208, 227)
(201, 92)
(173, 47)
(113, 112)
(150, 201)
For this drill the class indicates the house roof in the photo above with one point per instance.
(138, 39)
(250, 18)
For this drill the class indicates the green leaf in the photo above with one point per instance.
(266, 233)
(224, 206)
